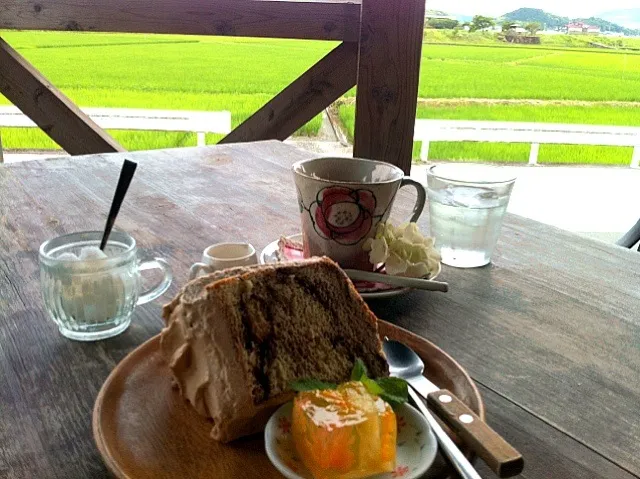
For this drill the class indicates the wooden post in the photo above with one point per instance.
(533, 153)
(424, 151)
(49, 108)
(388, 74)
(635, 159)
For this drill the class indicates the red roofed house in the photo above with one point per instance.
(580, 27)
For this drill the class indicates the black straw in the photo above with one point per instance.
(126, 175)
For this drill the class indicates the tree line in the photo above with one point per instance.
(478, 23)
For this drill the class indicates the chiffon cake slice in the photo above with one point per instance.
(236, 339)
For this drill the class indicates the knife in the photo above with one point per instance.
(499, 455)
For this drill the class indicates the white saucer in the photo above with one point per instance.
(270, 255)
(416, 445)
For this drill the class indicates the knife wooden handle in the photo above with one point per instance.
(499, 455)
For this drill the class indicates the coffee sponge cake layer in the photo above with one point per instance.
(236, 339)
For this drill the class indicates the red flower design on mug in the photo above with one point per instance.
(343, 214)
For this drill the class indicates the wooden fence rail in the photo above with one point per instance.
(427, 131)
(323, 20)
(198, 122)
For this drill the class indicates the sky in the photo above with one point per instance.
(494, 8)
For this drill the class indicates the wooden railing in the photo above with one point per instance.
(379, 53)
(198, 122)
(535, 134)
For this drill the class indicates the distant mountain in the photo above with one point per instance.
(555, 22)
(439, 13)
(606, 26)
(628, 17)
(462, 18)
(526, 15)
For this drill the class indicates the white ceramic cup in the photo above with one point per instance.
(224, 255)
(341, 202)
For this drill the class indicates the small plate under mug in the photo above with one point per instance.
(367, 289)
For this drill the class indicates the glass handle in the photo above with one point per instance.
(195, 269)
(156, 263)
(420, 200)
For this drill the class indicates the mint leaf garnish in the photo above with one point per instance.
(359, 370)
(310, 384)
(394, 390)
(372, 386)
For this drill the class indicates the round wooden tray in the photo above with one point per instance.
(144, 429)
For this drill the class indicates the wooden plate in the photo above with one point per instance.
(144, 429)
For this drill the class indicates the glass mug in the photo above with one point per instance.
(93, 298)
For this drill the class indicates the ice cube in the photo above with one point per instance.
(92, 252)
(67, 257)
(443, 196)
(475, 197)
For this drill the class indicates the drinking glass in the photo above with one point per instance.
(94, 298)
(466, 204)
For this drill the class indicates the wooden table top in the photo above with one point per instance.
(550, 331)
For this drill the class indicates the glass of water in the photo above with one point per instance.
(466, 204)
(91, 294)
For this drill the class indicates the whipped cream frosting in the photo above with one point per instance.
(204, 358)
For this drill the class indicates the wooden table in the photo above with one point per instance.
(550, 331)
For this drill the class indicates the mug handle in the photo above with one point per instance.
(420, 200)
(156, 263)
(195, 269)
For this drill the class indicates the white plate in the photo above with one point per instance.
(270, 255)
(416, 445)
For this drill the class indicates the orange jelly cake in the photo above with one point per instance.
(344, 433)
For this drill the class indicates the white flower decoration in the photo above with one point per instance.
(403, 250)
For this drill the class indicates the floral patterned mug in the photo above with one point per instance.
(341, 202)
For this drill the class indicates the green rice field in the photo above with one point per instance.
(593, 114)
(572, 85)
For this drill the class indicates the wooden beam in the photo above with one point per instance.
(388, 74)
(303, 99)
(322, 20)
(50, 109)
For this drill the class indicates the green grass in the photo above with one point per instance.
(519, 153)
(520, 72)
(523, 73)
(240, 75)
(163, 72)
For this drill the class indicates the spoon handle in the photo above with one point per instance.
(402, 281)
(499, 455)
(126, 175)
(459, 461)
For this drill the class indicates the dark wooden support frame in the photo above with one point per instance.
(380, 53)
(298, 103)
(388, 75)
(51, 110)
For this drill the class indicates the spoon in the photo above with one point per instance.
(499, 455)
(126, 175)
